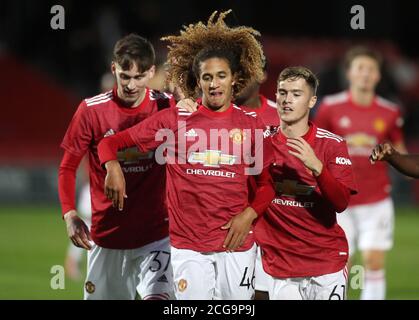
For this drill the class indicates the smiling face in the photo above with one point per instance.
(294, 99)
(131, 84)
(216, 82)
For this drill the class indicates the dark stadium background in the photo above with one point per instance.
(44, 73)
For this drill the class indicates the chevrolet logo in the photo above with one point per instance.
(211, 158)
(291, 188)
(132, 155)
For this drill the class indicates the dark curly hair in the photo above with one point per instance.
(199, 42)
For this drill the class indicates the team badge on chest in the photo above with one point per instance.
(237, 135)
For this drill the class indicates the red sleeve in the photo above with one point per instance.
(156, 129)
(108, 147)
(67, 181)
(79, 134)
(337, 181)
(333, 191)
(321, 118)
(396, 133)
(265, 192)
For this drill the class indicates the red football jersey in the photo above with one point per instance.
(267, 111)
(144, 218)
(298, 233)
(208, 156)
(363, 128)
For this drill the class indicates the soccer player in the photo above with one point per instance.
(365, 119)
(213, 249)
(303, 248)
(126, 248)
(407, 164)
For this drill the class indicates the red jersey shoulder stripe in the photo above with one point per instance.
(271, 103)
(183, 112)
(99, 99)
(384, 103)
(337, 98)
(156, 95)
(321, 133)
(251, 113)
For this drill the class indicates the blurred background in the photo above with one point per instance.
(45, 73)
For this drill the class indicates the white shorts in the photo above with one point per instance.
(214, 275)
(330, 286)
(84, 205)
(261, 277)
(369, 227)
(119, 274)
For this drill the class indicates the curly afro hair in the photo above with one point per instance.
(199, 42)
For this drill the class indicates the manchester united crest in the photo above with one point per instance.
(182, 285)
(237, 135)
(379, 125)
(90, 287)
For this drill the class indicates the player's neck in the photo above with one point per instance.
(253, 102)
(215, 108)
(132, 104)
(362, 98)
(294, 130)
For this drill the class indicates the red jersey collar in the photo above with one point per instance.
(352, 102)
(135, 110)
(263, 104)
(213, 114)
(309, 136)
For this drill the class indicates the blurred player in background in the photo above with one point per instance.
(213, 250)
(130, 248)
(251, 98)
(303, 248)
(407, 164)
(365, 119)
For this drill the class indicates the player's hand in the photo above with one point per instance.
(175, 91)
(77, 230)
(382, 152)
(304, 152)
(187, 104)
(239, 227)
(115, 184)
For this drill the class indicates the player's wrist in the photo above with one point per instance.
(318, 168)
(111, 164)
(251, 213)
(393, 154)
(70, 215)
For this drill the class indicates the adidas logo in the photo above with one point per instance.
(163, 278)
(108, 133)
(191, 133)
